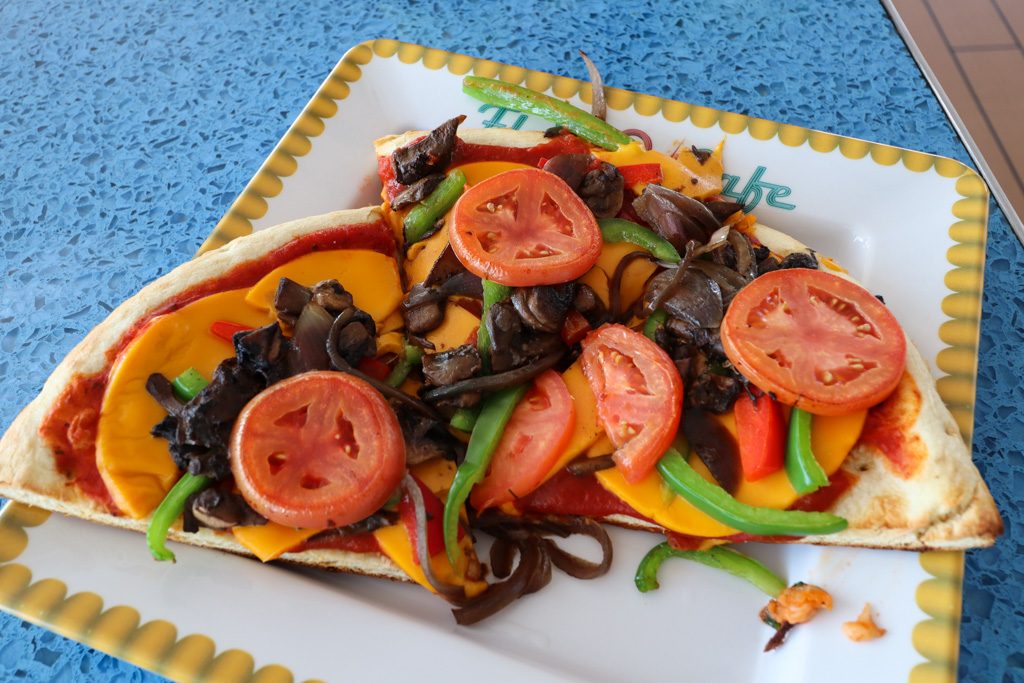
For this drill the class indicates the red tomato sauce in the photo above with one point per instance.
(567, 494)
(70, 430)
(70, 426)
(888, 429)
(465, 153)
(356, 543)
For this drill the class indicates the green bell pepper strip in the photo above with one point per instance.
(726, 559)
(464, 419)
(715, 502)
(188, 384)
(494, 415)
(582, 124)
(422, 217)
(493, 293)
(654, 321)
(621, 230)
(413, 355)
(170, 509)
(802, 468)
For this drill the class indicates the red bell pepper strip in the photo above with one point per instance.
(575, 327)
(225, 329)
(641, 173)
(376, 369)
(761, 432)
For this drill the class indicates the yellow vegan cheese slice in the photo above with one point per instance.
(269, 541)
(459, 327)
(371, 278)
(136, 466)
(685, 174)
(394, 542)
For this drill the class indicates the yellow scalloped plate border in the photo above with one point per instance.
(156, 645)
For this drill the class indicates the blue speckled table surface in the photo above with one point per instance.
(127, 128)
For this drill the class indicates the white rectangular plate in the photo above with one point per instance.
(884, 213)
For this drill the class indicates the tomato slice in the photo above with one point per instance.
(814, 340)
(524, 227)
(535, 436)
(639, 396)
(318, 450)
(377, 369)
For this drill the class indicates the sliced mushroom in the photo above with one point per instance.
(448, 367)
(416, 192)
(602, 190)
(544, 307)
(219, 509)
(697, 299)
(428, 155)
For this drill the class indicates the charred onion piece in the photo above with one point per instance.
(586, 465)
(502, 594)
(536, 557)
(312, 330)
(675, 216)
(525, 528)
(644, 137)
(599, 107)
(451, 593)
(502, 380)
(615, 283)
(341, 365)
(677, 277)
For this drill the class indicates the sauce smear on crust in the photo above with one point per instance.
(356, 543)
(69, 428)
(889, 429)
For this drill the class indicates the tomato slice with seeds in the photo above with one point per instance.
(639, 396)
(524, 227)
(317, 450)
(534, 438)
(815, 340)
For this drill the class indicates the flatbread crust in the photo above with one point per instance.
(28, 471)
(494, 137)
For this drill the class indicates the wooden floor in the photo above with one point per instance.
(976, 49)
